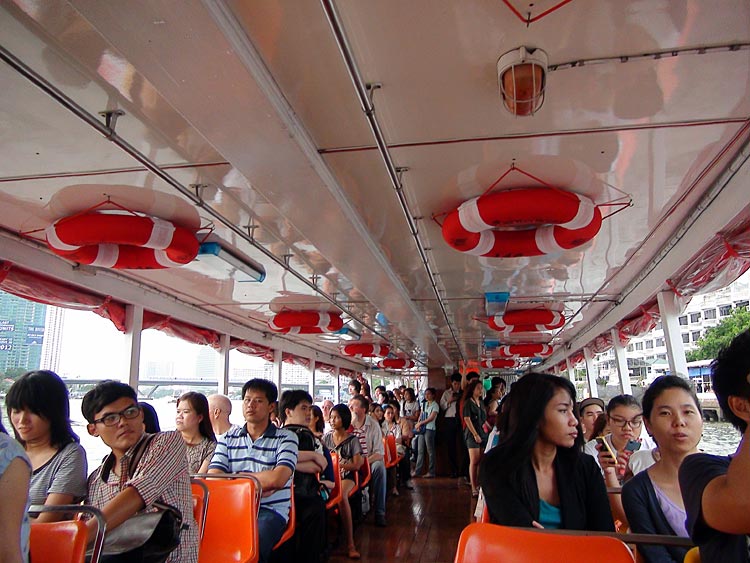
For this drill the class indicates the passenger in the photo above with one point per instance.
(392, 428)
(193, 423)
(451, 424)
(427, 439)
(219, 410)
(410, 413)
(404, 466)
(326, 408)
(371, 441)
(316, 426)
(347, 447)
(652, 500)
(376, 412)
(601, 426)
(112, 411)
(537, 475)
(380, 395)
(39, 410)
(310, 540)
(588, 411)
(15, 473)
(355, 388)
(266, 452)
(715, 488)
(365, 389)
(475, 433)
(492, 400)
(150, 418)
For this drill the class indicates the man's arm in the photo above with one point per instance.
(273, 479)
(726, 499)
(375, 443)
(123, 506)
(311, 462)
(14, 490)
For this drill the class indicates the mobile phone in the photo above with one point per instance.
(603, 441)
(632, 446)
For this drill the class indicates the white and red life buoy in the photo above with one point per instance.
(527, 320)
(365, 350)
(545, 221)
(498, 363)
(122, 241)
(525, 350)
(395, 363)
(305, 322)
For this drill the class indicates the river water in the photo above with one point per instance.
(719, 438)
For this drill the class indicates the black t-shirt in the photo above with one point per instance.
(696, 472)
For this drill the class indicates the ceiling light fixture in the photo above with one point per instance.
(522, 76)
(215, 260)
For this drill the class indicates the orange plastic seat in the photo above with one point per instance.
(290, 523)
(231, 526)
(489, 542)
(485, 515)
(66, 541)
(356, 487)
(365, 473)
(390, 447)
(336, 493)
(692, 556)
(200, 504)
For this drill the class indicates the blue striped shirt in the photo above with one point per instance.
(236, 452)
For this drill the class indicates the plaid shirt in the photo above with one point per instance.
(162, 474)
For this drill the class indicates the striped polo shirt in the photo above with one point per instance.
(236, 452)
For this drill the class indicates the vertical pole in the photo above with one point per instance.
(669, 309)
(133, 331)
(571, 371)
(622, 363)
(336, 386)
(224, 354)
(277, 368)
(590, 372)
(311, 381)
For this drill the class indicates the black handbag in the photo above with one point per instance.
(145, 537)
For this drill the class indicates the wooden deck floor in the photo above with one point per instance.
(423, 525)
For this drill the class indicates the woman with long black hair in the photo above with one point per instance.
(537, 476)
(39, 410)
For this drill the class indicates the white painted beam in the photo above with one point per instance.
(623, 372)
(669, 309)
(133, 332)
(590, 372)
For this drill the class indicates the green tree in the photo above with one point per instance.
(721, 335)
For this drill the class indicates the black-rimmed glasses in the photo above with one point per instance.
(113, 418)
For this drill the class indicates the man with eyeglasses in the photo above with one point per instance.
(112, 411)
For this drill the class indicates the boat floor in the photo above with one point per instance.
(423, 525)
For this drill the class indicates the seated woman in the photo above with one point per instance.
(193, 422)
(39, 411)
(317, 422)
(537, 475)
(15, 472)
(652, 499)
(347, 447)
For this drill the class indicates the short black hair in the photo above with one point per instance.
(729, 376)
(345, 414)
(104, 393)
(356, 384)
(455, 376)
(45, 394)
(472, 375)
(290, 399)
(199, 403)
(661, 384)
(263, 385)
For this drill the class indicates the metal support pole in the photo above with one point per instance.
(622, 363)
(277, 364)
(224, 354)
(590, 372)
(669, 309)
(133, 331)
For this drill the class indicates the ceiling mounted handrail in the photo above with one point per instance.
(365, 100)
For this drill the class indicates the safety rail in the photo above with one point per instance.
(43, 531)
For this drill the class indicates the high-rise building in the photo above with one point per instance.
(21, 332)
(54, 324)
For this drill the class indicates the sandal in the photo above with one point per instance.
(353, 553)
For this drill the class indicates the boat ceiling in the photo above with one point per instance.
(254, 102)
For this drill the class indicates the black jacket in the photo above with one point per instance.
(513, 500)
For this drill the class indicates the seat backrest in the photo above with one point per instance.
(335, 495)
(387, 459)
(489, 542)
(692, 556)
(61, 542)
(393, 451)
(290, 523)
(200, 504)
(231, 527)
(365, 473)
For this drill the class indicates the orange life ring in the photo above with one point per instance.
(525, 350)
(395, 363)
(305, 322)
(364, 350)
(527, 320)
(556, 220)
(122, 242)
(498, 363)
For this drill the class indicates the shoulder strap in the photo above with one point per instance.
(138, 454)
